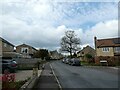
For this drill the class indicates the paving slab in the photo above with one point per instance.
(47, 80)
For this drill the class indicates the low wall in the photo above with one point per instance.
(27, 63)
(32, 82)
(111, 60)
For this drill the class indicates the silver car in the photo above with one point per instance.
(75, 62)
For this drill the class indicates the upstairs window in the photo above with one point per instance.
(82, 52)
(106, 49)
(11, 47)
(24, 50)
(117, 49)
(5, 45)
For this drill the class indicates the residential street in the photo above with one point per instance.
(85, 77)
(60, 45)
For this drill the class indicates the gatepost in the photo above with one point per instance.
(35, 71)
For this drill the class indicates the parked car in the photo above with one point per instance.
(75, 62)
(67, 60)
(9, 65)
(63, 60)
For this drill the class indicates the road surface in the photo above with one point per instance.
(85, 77)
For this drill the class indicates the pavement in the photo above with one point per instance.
(47, 80)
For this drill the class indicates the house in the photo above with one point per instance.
(107, 50)
(86, 50)
(7, 49)
(55, 55)
(26, 50)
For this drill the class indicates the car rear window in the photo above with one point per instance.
(4, 62)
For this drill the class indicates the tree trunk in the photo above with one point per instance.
(70, 53)
(70, 50)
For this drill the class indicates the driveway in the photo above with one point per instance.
(23, 74)
(85, 77)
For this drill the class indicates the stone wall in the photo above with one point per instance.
(27, 63)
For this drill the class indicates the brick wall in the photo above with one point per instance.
(112, 60)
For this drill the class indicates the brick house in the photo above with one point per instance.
(107, 50)
(7, 49)
(27, 51)
(86, 50)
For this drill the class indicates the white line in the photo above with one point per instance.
(56, 78)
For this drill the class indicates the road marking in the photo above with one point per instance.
(56, 78)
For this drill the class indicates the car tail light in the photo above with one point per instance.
(14, 65)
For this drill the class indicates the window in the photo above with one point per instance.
(117, 49)
(11, 47)
(106, 49)
(82, 52)
(24, 50)
(5, 45)
(32, 50)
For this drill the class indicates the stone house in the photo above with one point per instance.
(27, 51)
(86, 50)
(55, 55)
(7, 49)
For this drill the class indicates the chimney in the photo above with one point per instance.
(95, 40)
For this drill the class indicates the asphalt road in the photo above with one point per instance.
(85, 77)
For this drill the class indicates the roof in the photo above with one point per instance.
(5, 41)
(85, 48)
(26, 45)
(108, 42)
(55, 51)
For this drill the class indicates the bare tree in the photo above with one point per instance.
(70, 42)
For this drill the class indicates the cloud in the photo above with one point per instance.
(87, 13)
(42, 23)
(101, 30)
(71, 14)
(19, 32)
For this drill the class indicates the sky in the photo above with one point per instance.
(42, 23)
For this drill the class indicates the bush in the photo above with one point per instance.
(13, 85)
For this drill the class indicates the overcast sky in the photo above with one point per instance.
(42, 23)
